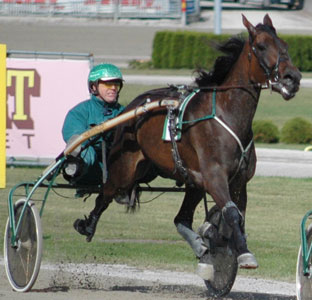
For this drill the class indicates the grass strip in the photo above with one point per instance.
(148, 238)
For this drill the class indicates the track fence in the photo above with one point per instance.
(114, 9)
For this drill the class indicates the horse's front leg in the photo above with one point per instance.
(184, 220)
(219, 190)
(87, 226)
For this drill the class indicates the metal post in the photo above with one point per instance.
(183, 11)
(98, 7)
(217, 16)
(3, 115)
(116, 11)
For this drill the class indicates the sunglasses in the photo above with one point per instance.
(111, 85)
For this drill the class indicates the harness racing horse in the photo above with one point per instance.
(215, 153)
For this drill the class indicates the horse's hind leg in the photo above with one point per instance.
(184, 220)
(87, 226)
(122, 173)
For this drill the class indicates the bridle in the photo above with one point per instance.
(272, 74)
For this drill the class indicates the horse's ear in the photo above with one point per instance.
(267, 21)
(251, 29)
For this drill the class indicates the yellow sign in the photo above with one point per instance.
(2, 115)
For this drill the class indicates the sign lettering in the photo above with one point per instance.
(22, 84)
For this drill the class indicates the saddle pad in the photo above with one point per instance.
(178, 119)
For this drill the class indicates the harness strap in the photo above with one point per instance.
(104, 167)
(244, 151)
(243, 156)
(178, 164)
(173, 128)
(211, 116)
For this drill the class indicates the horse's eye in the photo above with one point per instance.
(261, 47)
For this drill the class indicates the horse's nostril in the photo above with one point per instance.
(288, 80)
(288, 77)
(292, 76)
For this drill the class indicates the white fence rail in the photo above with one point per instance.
(100, 8)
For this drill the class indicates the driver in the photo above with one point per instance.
(104, 82)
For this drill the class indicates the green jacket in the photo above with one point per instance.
(84, 116)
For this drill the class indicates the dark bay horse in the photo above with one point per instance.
(215, 155)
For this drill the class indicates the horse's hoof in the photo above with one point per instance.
(89, 238)
(247, 261)
(86, 227)
(80, 226)
(205, 271)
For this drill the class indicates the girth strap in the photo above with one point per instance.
(175, 152)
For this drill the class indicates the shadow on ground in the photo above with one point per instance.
(175, 291)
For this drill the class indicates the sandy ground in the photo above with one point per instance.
(90, 282)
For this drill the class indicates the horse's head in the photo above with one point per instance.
(272, 65)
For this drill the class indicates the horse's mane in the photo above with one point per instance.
(223, 64)
(266, 28)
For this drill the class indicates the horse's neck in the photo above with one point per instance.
(243, 96)
(243, 72)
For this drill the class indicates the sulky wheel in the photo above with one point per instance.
(225, 269)
(22, 263)
(304, 283)
(223, 259)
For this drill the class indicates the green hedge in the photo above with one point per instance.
(265, 131)
(190, 50)
(295, 131)
(184, 49)
(300, 51)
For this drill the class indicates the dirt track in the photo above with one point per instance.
(90, 282)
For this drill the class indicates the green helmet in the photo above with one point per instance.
(104, 72)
